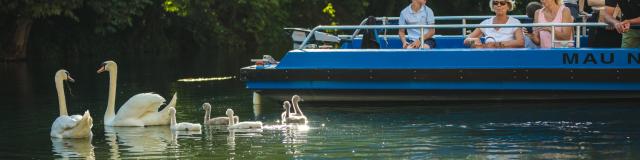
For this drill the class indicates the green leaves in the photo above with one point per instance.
(113, 15)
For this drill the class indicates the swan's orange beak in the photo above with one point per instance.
(102, 68)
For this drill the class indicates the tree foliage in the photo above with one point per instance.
(220, 30)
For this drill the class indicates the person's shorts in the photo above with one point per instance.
(431, 42)
(631, 39)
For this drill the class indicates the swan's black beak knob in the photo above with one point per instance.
(70, 79)
(102, 68)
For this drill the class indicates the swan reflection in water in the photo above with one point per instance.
(221, 132)
(150, 140)
(295, 135)
(73, 148)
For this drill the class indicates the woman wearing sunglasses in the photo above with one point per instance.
(553, 11)
(498, 37)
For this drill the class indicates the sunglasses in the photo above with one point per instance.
(500, 3)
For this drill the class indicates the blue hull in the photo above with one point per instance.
(575, 73)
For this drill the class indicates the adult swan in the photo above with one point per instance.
(66, 126)
(140, 110)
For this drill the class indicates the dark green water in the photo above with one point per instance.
(489, 130)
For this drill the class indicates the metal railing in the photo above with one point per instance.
(462, 19)
(450, 26)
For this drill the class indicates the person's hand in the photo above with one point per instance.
(473, 43)
(491, 45)
(416, 44)
(405, 45)
(538, 29)
(468, 42)
(623, 26)
(583, 13)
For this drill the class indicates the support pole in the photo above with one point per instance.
(257, 105)
(421, 37)
(257, 100)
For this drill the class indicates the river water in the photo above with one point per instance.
(422, 130)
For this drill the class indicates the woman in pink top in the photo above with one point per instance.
(553, 12)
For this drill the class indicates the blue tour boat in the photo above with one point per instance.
(324, 67)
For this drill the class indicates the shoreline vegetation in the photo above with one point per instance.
(229, 32)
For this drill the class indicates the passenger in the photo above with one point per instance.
(553, 12)
(605, 37)
(575, 8)
(631, 16)
(498, 37)
(531, 9)
(417, 13)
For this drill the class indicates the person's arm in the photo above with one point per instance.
(634, 21)
(535, 36)
(565, 33)
(621, 27)
(401, 31)
(474, 36)
(516, 43)
(581, 7)
(431, 20)
(429, 34)
(432, 31)
(625, 25)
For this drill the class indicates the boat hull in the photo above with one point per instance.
(448, 95)
(450, 74)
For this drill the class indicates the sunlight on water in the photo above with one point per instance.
(190, 80)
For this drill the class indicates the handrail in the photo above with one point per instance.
(449, 18)
(440, 18)
(447, 26)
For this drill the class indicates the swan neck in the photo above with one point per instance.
(294, 104)
(287, 110)
(299, 110)
(111, 102)
(206, 115)
(62, 102)
(231, 120)
(296, 109)
(173, 120)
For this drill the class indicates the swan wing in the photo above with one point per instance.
(297, 119)
(140, 105)
(153, 118)
(247, 125)
(218, 121)
(184, 126)
(74, 126)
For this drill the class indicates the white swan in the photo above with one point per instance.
(140, 110)
(301, 118)
(286, 106)
(296, 109)
(289, 118)
(66, 126)
(242, 125)
(217, 120)
(183, 126)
